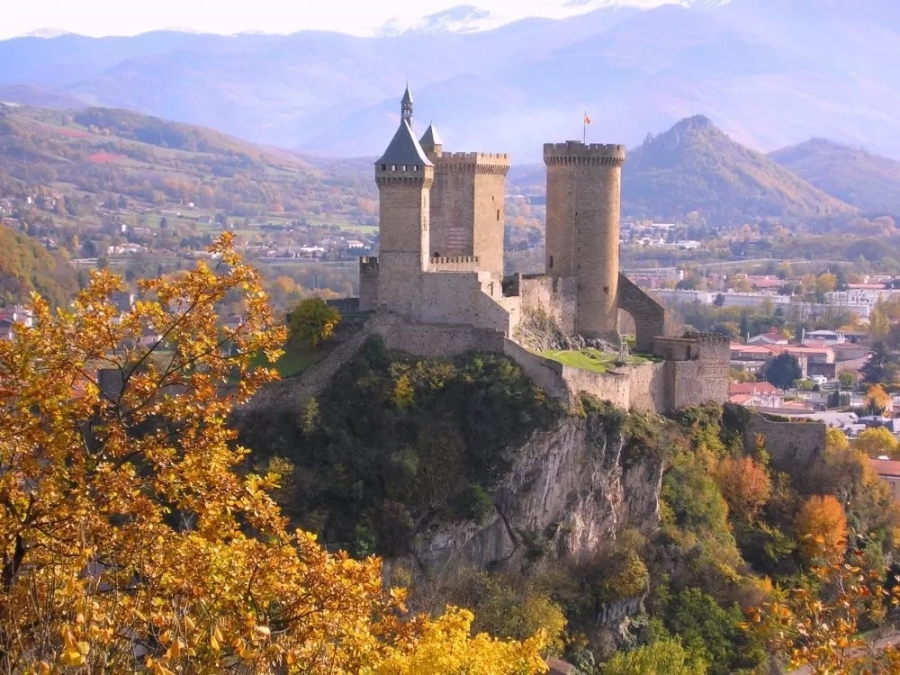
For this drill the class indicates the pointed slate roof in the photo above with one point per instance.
(430, 138)
(407, 97)
(404, 149)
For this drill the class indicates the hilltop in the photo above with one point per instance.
(854, 175)
(694, 166)
(771, 72)
(114, 154)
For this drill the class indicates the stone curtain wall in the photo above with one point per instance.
(552, 297)
(440, 342)
(788, 443)
(649, 316)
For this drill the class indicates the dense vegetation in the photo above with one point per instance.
(26, 267)
(695, 167)
(396, 439)
(398, 442)
(118, 155)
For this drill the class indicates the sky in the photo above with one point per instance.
(359, 17)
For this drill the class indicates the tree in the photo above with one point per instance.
(665, 656)
(879, 324)
(821, 529)
(719, 300)
(131, 537)
(877, 399)
(847, 379)
(881, 368)
(821, 633)
(876, 442)
(745, 485)
(314, 321)
(783, 371)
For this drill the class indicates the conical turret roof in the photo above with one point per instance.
(407, 97)
(404, 149)
(430, 138)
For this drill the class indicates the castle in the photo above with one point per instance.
(439, 272)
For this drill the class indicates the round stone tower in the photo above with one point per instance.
(584, 184)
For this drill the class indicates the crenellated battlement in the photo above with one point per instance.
(453, 259)
(577, 153)
(475, 162)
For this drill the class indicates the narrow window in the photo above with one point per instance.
(384, 167)
(551, 262)
(606, 289)
(498, 215)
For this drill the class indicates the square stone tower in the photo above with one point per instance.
(467, 204)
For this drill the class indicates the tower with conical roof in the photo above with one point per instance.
(404, 175)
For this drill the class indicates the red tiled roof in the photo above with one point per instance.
(753, 388)
(886, 467)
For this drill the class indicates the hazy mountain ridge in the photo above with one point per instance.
(771, 72)
(855, 175)
(694, 166)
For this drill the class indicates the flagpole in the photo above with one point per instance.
(584, 128)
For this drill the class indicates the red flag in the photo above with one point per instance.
(587, 120)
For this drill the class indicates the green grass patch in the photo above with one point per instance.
(297, 357)
(594, 359)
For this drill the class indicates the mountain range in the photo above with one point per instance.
(771, 72)
(691, 167)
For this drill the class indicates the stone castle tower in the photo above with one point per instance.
(439, 289)
(467, 213)
(584, 185)
(404, 176)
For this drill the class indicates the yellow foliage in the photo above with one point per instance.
(878, 399)
(821, 529)
(876, 441)
(126, 527)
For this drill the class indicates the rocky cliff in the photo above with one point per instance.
(449, 464)
(568, 490)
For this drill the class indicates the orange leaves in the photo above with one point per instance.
(821, 528)
(745, 485)
(124, 519)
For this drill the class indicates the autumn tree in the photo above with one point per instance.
(665, 656)
(745, 485)
(877, 441)
(821, 529)
(877, 399)
(821, 632)
(313, 321)
(130, 541)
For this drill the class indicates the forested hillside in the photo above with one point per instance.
(26, 266)
(115, 153)
(854, 175)
(696, 167)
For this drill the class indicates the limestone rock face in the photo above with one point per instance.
(567, 492)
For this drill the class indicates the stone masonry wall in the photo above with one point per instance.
(368, 283)
(553, 297)
(467, 298)
(433, 341)
(788, 443)
(649, 316)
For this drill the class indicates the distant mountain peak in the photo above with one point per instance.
(459, 19)
(695, 123)
(47, 33)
